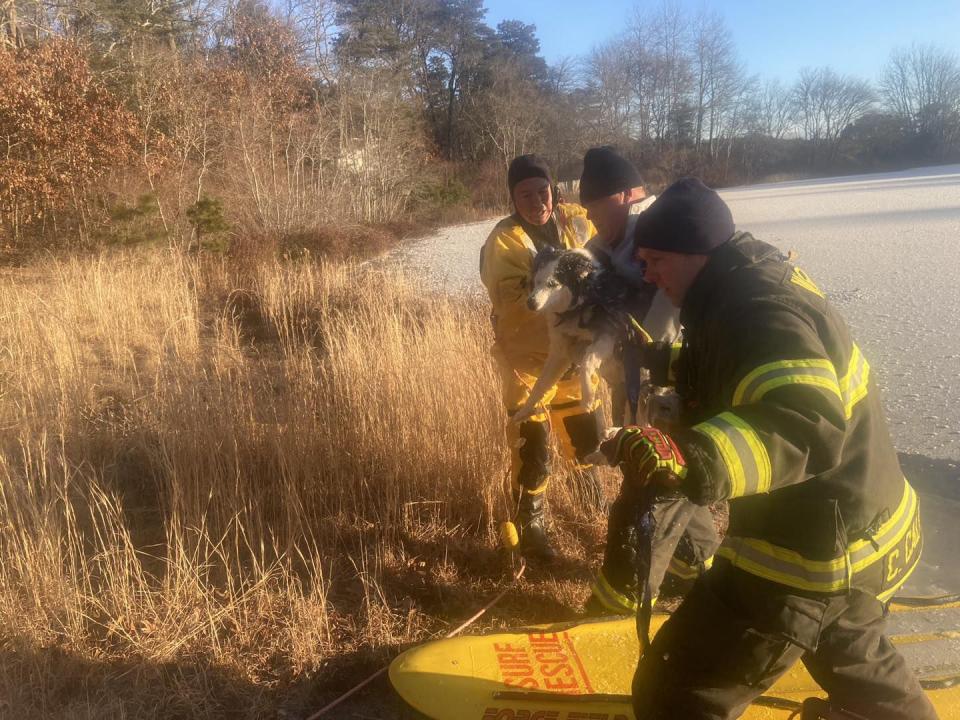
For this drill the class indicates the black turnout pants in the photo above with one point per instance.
(684, 534)
(735, 634)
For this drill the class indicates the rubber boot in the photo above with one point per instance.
(594, 608)
(531, 526)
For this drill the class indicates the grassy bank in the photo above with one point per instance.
(232, 490)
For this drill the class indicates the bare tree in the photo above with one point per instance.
(772, 110)
(663, 77)
(494, 113)
(736, 120)
(315, 23)
(921, 85)
(826, 104)
(718, 78)
(562, 75)
(28, 20)
(643, 71)
(9, 26)
(610, 90)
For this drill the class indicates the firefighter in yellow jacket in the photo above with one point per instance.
(521, 341)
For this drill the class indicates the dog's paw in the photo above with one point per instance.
(521, 415)
(610, 433)
(596, 458)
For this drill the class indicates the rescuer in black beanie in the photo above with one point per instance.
(527, 166)
(688, 218)
(606, 172)
(522, 343)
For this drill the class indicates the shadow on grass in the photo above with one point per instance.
(448, 579)
(55, 683)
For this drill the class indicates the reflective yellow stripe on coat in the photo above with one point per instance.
(850, 388)
(789, 567)
(816, 371)
(742, 451)
(853, 384)
(799, 277)
(675, 350)
(740, 447)
(686, 571)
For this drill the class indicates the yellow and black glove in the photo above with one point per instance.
(648, 453)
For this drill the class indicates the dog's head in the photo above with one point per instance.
(560, 279)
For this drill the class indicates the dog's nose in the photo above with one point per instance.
(531, 303)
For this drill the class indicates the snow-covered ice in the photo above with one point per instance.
(883, 247)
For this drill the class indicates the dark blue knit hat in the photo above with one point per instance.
(606, 172)
(687, 218)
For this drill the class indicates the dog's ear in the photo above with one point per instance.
(587, 264)
(549, 251)
(544, 256)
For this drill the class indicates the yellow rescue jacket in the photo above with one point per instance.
(505, 264)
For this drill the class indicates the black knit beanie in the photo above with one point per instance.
(687, 218)
(606, 172)
(524, 167)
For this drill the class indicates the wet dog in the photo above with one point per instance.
(588, 315)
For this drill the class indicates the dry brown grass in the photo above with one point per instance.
(229, 492)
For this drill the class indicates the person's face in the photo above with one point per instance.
(672, 272)
(608, 214)
(533, 200)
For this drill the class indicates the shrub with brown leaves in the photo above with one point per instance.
(60, 129)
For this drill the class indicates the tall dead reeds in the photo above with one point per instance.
(234, 469)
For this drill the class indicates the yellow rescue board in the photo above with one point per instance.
(583, 671)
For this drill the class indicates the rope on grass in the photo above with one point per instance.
(456, 631)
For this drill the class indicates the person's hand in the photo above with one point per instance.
(649, 453)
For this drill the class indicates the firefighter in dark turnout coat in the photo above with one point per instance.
(780, 417)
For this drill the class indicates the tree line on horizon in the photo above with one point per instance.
(188, 120)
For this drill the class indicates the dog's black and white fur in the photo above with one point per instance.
(585, 302)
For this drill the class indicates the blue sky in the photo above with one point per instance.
(775, 37)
